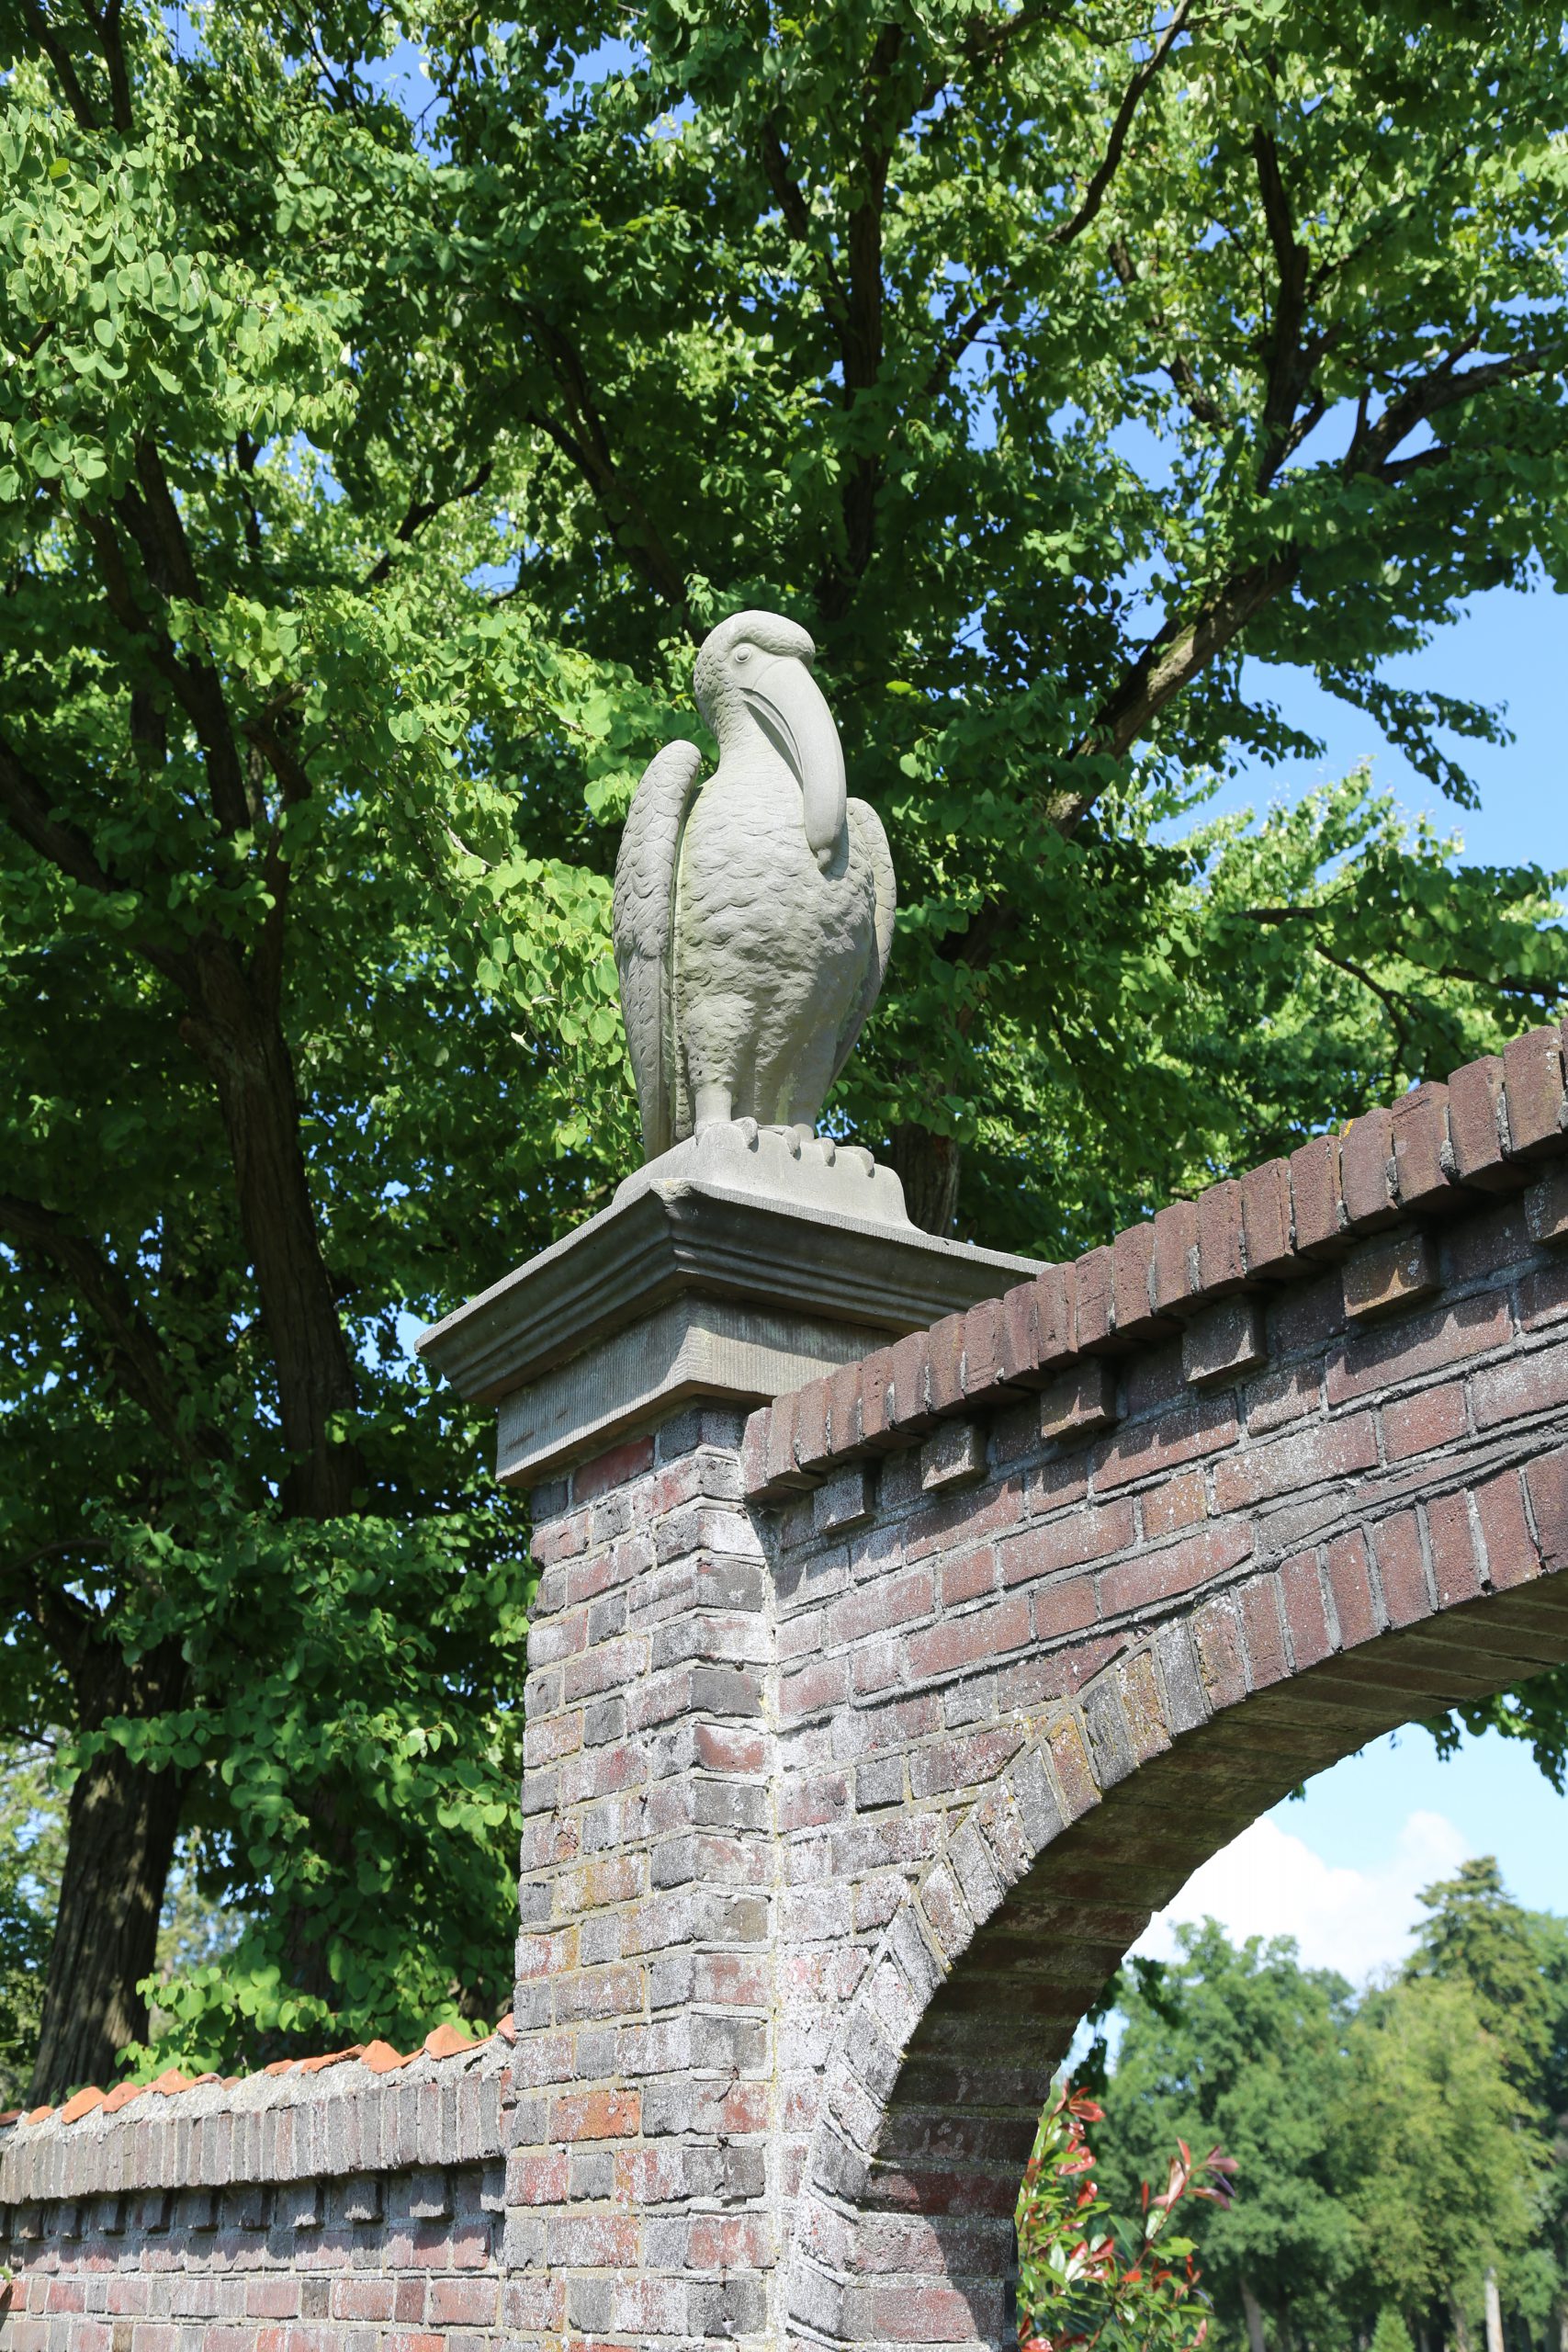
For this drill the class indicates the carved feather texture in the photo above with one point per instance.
(866, 833)
(643, 923)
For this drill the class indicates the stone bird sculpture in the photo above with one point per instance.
(753, 911)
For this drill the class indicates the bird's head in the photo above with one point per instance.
(753, 674)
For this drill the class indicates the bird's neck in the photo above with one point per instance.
(745, 746)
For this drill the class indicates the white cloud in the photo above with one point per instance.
(1269, 1882)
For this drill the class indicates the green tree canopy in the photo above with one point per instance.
(1435, 2156)
(258, 1110)
(366, 477)
(1515, 1963)
(1392, 2147)
(1245, 2048)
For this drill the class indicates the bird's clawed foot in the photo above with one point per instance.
(746, 1128)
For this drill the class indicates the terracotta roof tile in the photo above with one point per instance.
(449, 2041)
(381, 2058)
(332, 2058)
(377, 2056)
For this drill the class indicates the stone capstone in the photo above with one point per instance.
(709, 1281)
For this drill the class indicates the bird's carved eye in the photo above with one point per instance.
(742, 655)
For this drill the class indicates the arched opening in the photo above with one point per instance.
(906, 2239)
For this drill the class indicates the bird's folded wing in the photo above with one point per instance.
(868, 837)
(643, 924)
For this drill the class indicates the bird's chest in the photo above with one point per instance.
(747, 873)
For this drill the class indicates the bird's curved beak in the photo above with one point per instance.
(788, 705)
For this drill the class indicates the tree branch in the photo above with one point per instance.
(1066, 231)
(982, 50)
(1385, 996)
(264, 731)
(26, 806)
(1292, 362)
(1428, 397)
(1397, 470)
(1547, 991)
(422, 511)
(861, 329)
(135, 1353)
(1183, 649)
(1173, 660)
(195, 685)
(37, 26)
(586, 446)
(67, 1625)
(108, 24)
(797, 216)
(1290, 267)
(1179, 367)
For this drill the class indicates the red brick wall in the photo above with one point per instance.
(338, 2211)
(840, 1811)
(1072, 1587)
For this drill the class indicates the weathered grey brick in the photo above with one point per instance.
(844, 1501)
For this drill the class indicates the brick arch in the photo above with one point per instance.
(941, 2065)
(864, 1732)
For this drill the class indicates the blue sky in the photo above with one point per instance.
(1341, 1869)
(1511, 648)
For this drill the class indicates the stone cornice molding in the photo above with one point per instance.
(687, 1289)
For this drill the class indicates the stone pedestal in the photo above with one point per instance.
(732, 1269)
(648, 2196)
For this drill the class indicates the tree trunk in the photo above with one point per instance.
(1460, 2326)
(1254, 2311)
(1493, 2314)
(927, 1166)
(122, 1827)
(243, 1048)
(307, 1949)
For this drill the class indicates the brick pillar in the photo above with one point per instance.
(646, 2187)
(640, 2204)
